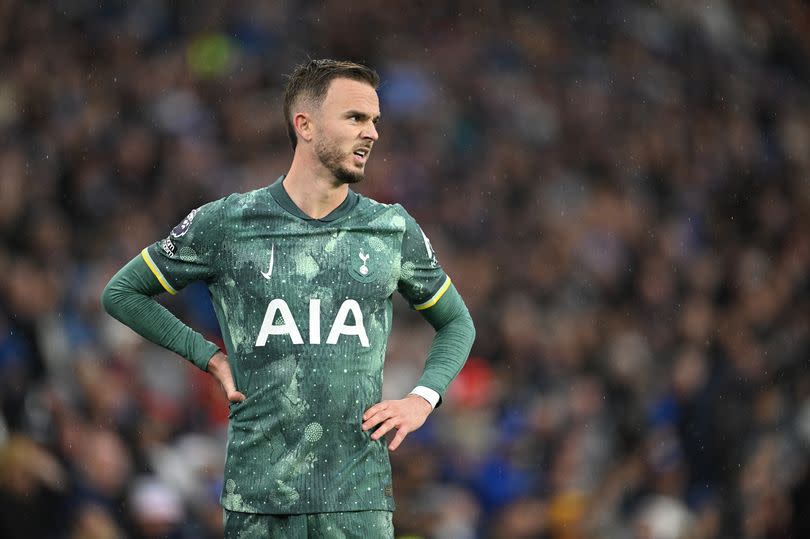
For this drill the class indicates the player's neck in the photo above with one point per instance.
(313, 189)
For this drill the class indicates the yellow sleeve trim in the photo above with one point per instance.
(436, 297)
(158, 274)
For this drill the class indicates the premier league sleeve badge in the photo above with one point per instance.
(184, 225)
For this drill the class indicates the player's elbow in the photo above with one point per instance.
(468, 321)
(110, 298)
(107, 298)
(463, 326)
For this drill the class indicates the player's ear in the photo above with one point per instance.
(303, 126)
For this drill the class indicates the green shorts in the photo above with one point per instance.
(340, 525)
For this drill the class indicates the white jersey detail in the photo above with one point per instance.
(279, 307)
(287, 328)
(339, 327)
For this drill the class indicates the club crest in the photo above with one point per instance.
(362, 265)
(368, 260)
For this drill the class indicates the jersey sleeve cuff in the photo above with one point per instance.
(426, 393)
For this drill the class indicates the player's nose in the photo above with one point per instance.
(370, 132)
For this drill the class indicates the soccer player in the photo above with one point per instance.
(301, 275)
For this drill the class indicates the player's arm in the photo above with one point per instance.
(449, 350)
(451, 345)
(430, 291)
(129, 297)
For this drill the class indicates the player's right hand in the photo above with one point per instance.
(220, 369)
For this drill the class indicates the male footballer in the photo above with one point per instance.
(301, 275)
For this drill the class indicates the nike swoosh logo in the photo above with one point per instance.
(269, 272)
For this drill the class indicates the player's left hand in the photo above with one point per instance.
(406, 415)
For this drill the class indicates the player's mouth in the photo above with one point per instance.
(361, 155)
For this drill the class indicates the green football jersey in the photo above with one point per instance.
(305, 309)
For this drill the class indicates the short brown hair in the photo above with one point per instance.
(311, 81)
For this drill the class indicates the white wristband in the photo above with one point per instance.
(426, 393)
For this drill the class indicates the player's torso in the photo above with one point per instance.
(317, 292)
(305, 311)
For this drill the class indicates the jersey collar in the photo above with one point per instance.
(283, 199)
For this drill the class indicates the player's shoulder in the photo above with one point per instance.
(246, 199)
(235, 204)
(393, 215)
(219, 213)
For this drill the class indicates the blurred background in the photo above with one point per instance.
(619, 189)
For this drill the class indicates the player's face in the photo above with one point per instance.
(347, 128)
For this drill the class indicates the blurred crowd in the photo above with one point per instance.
(620, 190)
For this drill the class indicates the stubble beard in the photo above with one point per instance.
(331, 157)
